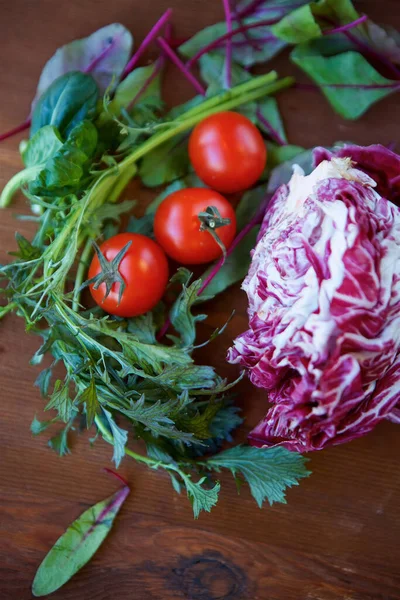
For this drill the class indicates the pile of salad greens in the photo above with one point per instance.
(98, 120)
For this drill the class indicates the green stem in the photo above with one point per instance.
(7, 308)
(206, 109)
(16, 182)
(80, 273)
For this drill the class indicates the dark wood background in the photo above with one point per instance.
(338, 536)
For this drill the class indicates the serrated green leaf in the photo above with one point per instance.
(201, 498)
(268, 471)
(37, 427)
(60, 401)
(89, 398)
(119, 436)
(59, 443)
(77, 545)
(43, 381)
(181, 314)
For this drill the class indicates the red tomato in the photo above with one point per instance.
(144, 268)
(227, 152)
(177, 226)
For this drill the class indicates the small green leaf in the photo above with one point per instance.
(59, 443)
(348, 81)
(60, 401)
(43, 381)
(89, 398)
(167, 162)
(128, 89)
(201, 498)
(181, 314)
(234, 269)
(142, 225)
(44, 144)
(120, 437)
(67, 102)
(38, 427)
(298, 26)
(270, 121)
(268, 471)
(77, 545)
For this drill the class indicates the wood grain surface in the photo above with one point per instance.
(338, 536)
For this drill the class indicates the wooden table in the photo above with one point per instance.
(338, 536)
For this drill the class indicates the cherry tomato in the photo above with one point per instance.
(227, 152)
(177, 226)
(144, 269)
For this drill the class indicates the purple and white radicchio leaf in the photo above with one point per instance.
(324, 302)
(103, 54)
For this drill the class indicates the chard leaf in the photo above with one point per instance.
(119, 436)
(269, 120)
(191, 180)
(268, 471)
(167, 162)
(298, 26)
(77, 545)
(234, 269)
(347, 80)
(201, 498)
(91, 401)
(69, 100)
(335, 10)
(256, 45)
(143, 80)
(44, 144)
(104, 54)
(212, 72)
(181, 316)
(280, 154)
(385, 39)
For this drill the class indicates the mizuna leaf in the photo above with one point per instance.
(119, 435)
(348, 81)
(61, 401)
(268, 471)
(77, 545)
(92, 405)
(181, 314)
(201, 497)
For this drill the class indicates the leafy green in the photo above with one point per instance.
(119, 437)
(166, 163)
(131, 90)
(298, 26)
(270, 121)
(347, 80)
(77, 545)
(91, 401)
(69, 100)
(63, 171)
(181, 316)
(268, 471)
(202, 498)
(61, 401)
(45, 143)
(105, 52)
(212, 72)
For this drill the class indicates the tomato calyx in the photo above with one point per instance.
(109, 273)
(210, 219)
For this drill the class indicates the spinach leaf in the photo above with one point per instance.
(69, 100)
(347, 80)
(104, 54)
(44, 144)
(78, 544)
